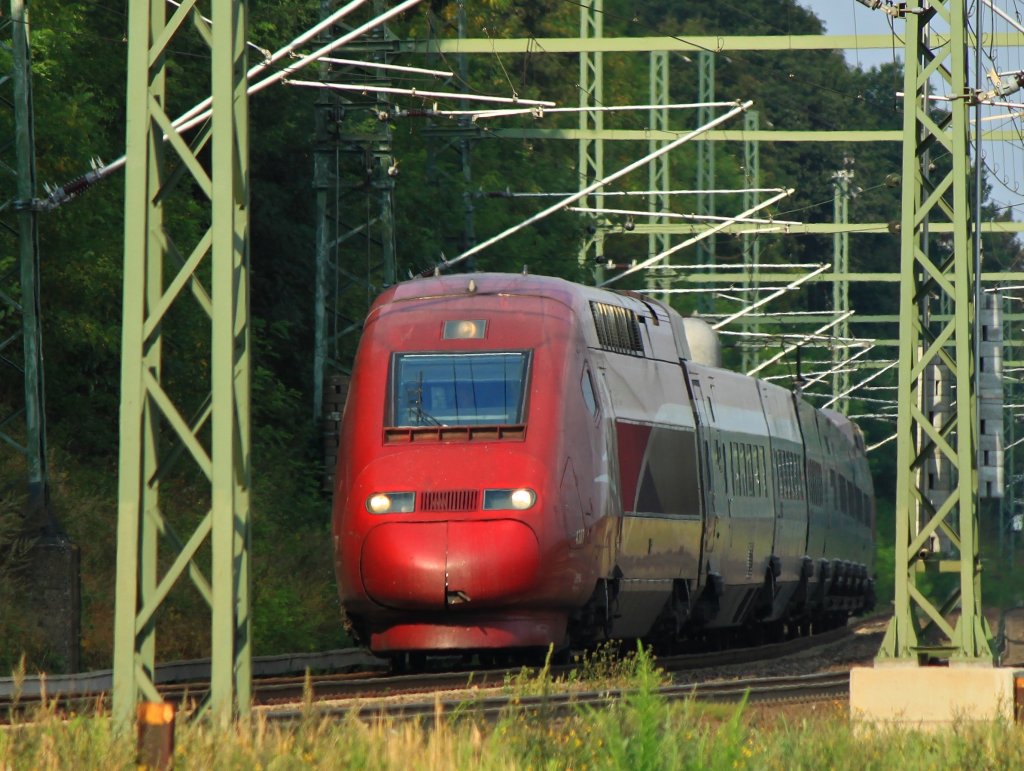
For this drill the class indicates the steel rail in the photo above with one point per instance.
(289, 678)
(825, 686)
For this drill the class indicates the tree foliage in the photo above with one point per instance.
(79, 53)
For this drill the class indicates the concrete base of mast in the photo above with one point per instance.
(933, 698)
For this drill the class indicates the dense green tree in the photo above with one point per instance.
(79, 51)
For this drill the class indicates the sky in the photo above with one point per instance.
(1003, 159)
(848, 17)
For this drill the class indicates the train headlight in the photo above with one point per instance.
(391, 503)
(519, 499)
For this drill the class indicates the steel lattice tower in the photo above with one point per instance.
(591, 143)
(24, 429)
(659, 173)
(160, 274)
(355, 237)
(706, 163)
(751, 241)
(841, 181)
(923, 626)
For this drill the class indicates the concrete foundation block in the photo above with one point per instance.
(932, 698)
(52, 582)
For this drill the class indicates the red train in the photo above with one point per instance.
(525, 461)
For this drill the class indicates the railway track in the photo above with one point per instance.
(828, 686)
(282, 680)
(328, 688)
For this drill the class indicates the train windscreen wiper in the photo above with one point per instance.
(418, 406)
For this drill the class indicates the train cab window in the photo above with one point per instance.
(464, 389)
(587, 384)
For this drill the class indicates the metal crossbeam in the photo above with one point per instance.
(723, 44)
(159, 266)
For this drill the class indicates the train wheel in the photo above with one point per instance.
(495, 659)
(774, 631)
(408, 662)
(561, 657)
(539, 657)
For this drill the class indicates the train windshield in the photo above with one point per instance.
(464, 389)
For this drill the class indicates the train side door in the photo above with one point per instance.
(609, 451)
(712, 456)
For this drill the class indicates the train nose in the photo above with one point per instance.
(432, 565)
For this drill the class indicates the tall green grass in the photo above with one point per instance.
(643, 731)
